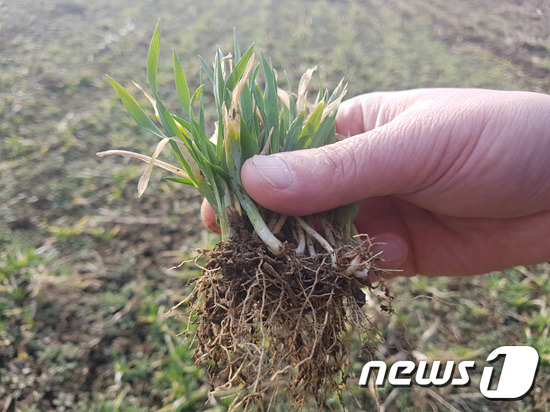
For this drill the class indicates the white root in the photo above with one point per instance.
(272, 222)
(358, 267)
(322, 241)
(361, 274)
(327, 230)
(310, 247)
(299, 235)
(279, 225)
(354, 265)
(313, 233)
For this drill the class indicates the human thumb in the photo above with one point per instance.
(308, 181)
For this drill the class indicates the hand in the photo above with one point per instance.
(450, 181)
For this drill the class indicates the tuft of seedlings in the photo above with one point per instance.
(273, 311)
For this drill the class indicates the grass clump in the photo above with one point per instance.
(274, 307)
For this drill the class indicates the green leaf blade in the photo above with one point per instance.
(236, 48)
(181, 180)
(153, 58)
(238, 71)
(311, 126)
(293, 132)
(271, 106)
(197, 94)
(135, 110)
(209, 72)
(182, 87)
(324, 133)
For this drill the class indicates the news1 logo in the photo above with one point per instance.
(516, 378)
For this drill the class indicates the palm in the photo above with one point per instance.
(467, 203)
(446, 245)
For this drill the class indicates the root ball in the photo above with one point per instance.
(278, 326)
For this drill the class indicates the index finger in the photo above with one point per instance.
(367, 112)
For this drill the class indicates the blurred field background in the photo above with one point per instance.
(84, 279)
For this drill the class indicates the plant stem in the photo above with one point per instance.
(232, 144)
(225, 201)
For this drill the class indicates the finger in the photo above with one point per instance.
(388, 160)
(209, 217)
(437, 245)
(380, 219)
(366, 112)
(358, 115)
(381, 161)
(392, 252)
